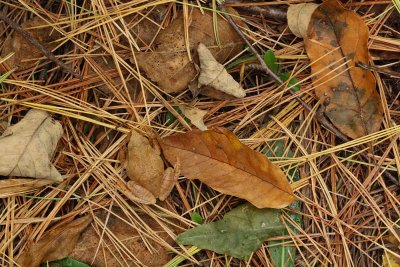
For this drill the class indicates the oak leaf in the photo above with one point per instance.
(221, 161)
(58, 243)
(169, 64)
(336, 40)
(28, 146)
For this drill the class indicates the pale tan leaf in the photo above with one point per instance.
(195, 116)
(220, 160)
(214, 74)
(299, 17)
(28, 146)
(58, 243)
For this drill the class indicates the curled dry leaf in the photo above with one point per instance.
(169, 64)
(336, 40)
(214, 74)
(28, 146)
(10, 187)
(25, 53)
(220, 160)
(58, 243)
(195, 116)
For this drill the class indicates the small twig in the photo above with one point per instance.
(320, 116)
(386, 71)
(267, 11)
(30, 39)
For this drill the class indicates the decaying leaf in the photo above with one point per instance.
(58, 243)
(221, 161)
(28, 146)
(195, 116)
(9, 187)
(25, 53)
(145, 168)
(336, 40)
(241, 231)
(169, 64)
(214, 74)
(121, 237)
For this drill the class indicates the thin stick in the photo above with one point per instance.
(30, 39)
(320, 116)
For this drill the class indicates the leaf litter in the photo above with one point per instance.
(336, 182)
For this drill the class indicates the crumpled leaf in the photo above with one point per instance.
(28, 146)
(58, 243)
(195, 116)
(145, 168)
(9, 187)
(241, 231)
(214, 74)
(25, 53)
(220, 160)
(335, 41)
(169, 65)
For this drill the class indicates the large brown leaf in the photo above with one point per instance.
(220, 160)
(336, 36)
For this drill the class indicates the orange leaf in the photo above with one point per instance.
(335, 40)
(220, 160)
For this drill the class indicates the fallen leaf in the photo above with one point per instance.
(169, 64)
(241, 231)
(195, 116)
(145, 168)
(28, 146)
(220, 160)
(122, 237)
(336, 40)
(214, 74)
(10, 187)
(25, 53)
(58, 243)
